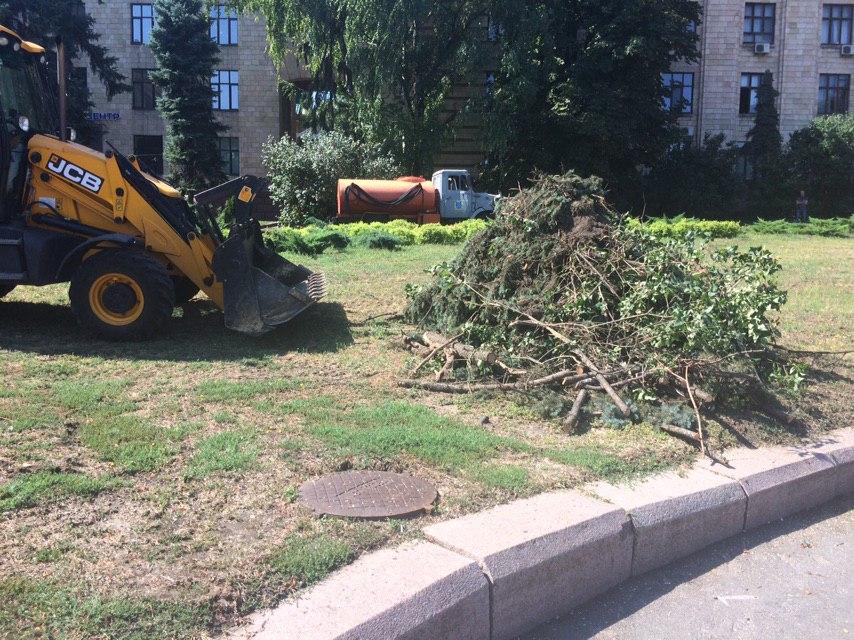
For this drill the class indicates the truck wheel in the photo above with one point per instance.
(185, 289)
(122, 295)
(5, 288)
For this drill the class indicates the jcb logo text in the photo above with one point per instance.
(74, 173)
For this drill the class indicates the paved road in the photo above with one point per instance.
(791, 579)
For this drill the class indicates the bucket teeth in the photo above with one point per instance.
(316, 286)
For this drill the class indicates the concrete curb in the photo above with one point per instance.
(495, 574)
(542, 554)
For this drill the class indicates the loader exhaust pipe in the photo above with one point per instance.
(63, 98)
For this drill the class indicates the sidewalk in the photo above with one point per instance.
(790, 579)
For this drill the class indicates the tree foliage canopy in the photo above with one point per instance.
(821, 162)
(186, 57)
(764, 142)
(578, 82)
(386, 66)
(578, 85)
(42, 21)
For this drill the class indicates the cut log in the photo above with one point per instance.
(574, 413)
(444, 387)
(448, 367)
(679, 432)
(621, 405)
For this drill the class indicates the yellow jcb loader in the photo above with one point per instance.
(128, 243)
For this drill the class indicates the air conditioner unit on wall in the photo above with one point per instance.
(762, 48)
(847, 50)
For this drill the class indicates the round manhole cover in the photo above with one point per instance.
(368, 494)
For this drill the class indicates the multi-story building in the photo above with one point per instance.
(805, 44)
(247, 98)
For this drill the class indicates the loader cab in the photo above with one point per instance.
(26, 107)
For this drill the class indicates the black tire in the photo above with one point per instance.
(122, 295)
(6, 289)
(185, 289)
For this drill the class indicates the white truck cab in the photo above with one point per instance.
(457, 199)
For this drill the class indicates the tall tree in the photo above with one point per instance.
(764, 142)
(578, 85)
(820, 159)
(42, 21)
(766, 194)
(384, 68)
(186, 57)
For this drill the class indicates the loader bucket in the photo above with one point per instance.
(261, 290)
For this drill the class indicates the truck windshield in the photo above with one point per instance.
(23, 92)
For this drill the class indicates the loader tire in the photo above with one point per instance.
(5, 289)
(122, 295)
(185, 289)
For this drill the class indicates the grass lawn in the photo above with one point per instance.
(148, 490)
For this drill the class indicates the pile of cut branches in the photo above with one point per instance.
(558, 293)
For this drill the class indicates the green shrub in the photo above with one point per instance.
(304, 173)
(320, 236)
(680, 226)
(437, 234)
(288, 240)
(468, 228)
(375, 239)
(403, 230)
(326, 238)
(833, 227)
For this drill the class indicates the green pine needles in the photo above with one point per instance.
(186, 57)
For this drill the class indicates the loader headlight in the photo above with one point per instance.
(72, 135)
(4, 41)
(24, 123)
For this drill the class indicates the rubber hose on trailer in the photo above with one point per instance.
(364, 196)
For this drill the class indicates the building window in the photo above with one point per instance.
(749, 97)
(149, 152)
(744, 166)
(223, 25)
(836, 23)
(225, 89)
(141, 23)
(833, 93)
(678, 92)
(759, 21)
(144, 92)
(229, 156)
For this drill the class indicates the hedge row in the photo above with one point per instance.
(831, 227)
(679, 226)
(316, 238)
